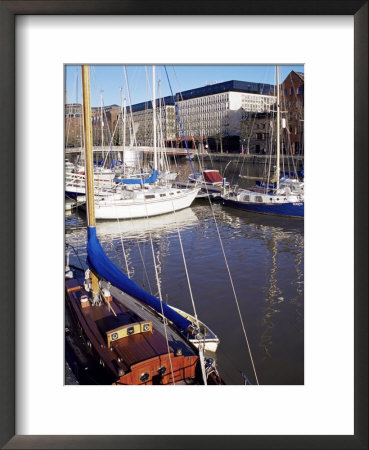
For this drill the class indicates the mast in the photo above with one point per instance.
(278, 169)
(102, 119)
(89, 167)
(102, 123)
(154, 117)
(123, 103)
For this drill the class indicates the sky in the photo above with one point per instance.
(111, 80)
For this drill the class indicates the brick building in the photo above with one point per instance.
(73, 125)
(110, 125)
(292, 105)
(258, 132)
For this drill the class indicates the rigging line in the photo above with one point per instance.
(180, 122)
(141, 256)
(161, 299)
(201, 345)
(289, 142)
(130, 106)
(123, 249)
(111, 140)
(248, 146)
(76, 253)
(156, 269)
(185, 266)
(236, 299)
(162, 117)
(270, 160)
(232, 285)
(144, 266)
(66, 99)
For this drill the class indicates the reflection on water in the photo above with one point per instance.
(140, 228)
(265, 255)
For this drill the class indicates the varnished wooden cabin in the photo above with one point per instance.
(129, 340)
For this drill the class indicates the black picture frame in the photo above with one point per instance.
(8, 10)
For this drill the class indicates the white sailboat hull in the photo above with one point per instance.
(139, 206)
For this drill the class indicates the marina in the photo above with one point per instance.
(266, 259)
(166, 282)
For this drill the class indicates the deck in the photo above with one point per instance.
(175, 340)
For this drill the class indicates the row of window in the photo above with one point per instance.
(300, 90)
(148, 196)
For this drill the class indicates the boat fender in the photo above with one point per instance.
(105, 292)
(84, 301)
(87, 283)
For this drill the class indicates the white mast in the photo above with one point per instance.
(278, 129)
(123, 103)
(154, 117)
(102, 119)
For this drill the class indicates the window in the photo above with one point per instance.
(291, 91)
(300, 90)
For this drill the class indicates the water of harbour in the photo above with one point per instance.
(264, 261)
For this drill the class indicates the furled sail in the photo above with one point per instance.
(150, 179)
(100, 263)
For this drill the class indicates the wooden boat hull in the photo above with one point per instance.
(138, 359)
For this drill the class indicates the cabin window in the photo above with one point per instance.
(150, 196)
(163, 195)
(178, 192)
(171, 193)
(259, 199)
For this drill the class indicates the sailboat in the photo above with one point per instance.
(286, 198)
(143, 197)
(75, 181)
(136, 337)
(209, 177)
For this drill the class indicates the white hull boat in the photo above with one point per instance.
(207, 177)
(75, 181)
(286, 199)
(139, 203)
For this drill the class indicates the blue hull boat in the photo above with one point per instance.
(295, 209)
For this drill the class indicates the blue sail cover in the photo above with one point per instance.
(101, 264)
(150, 179)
